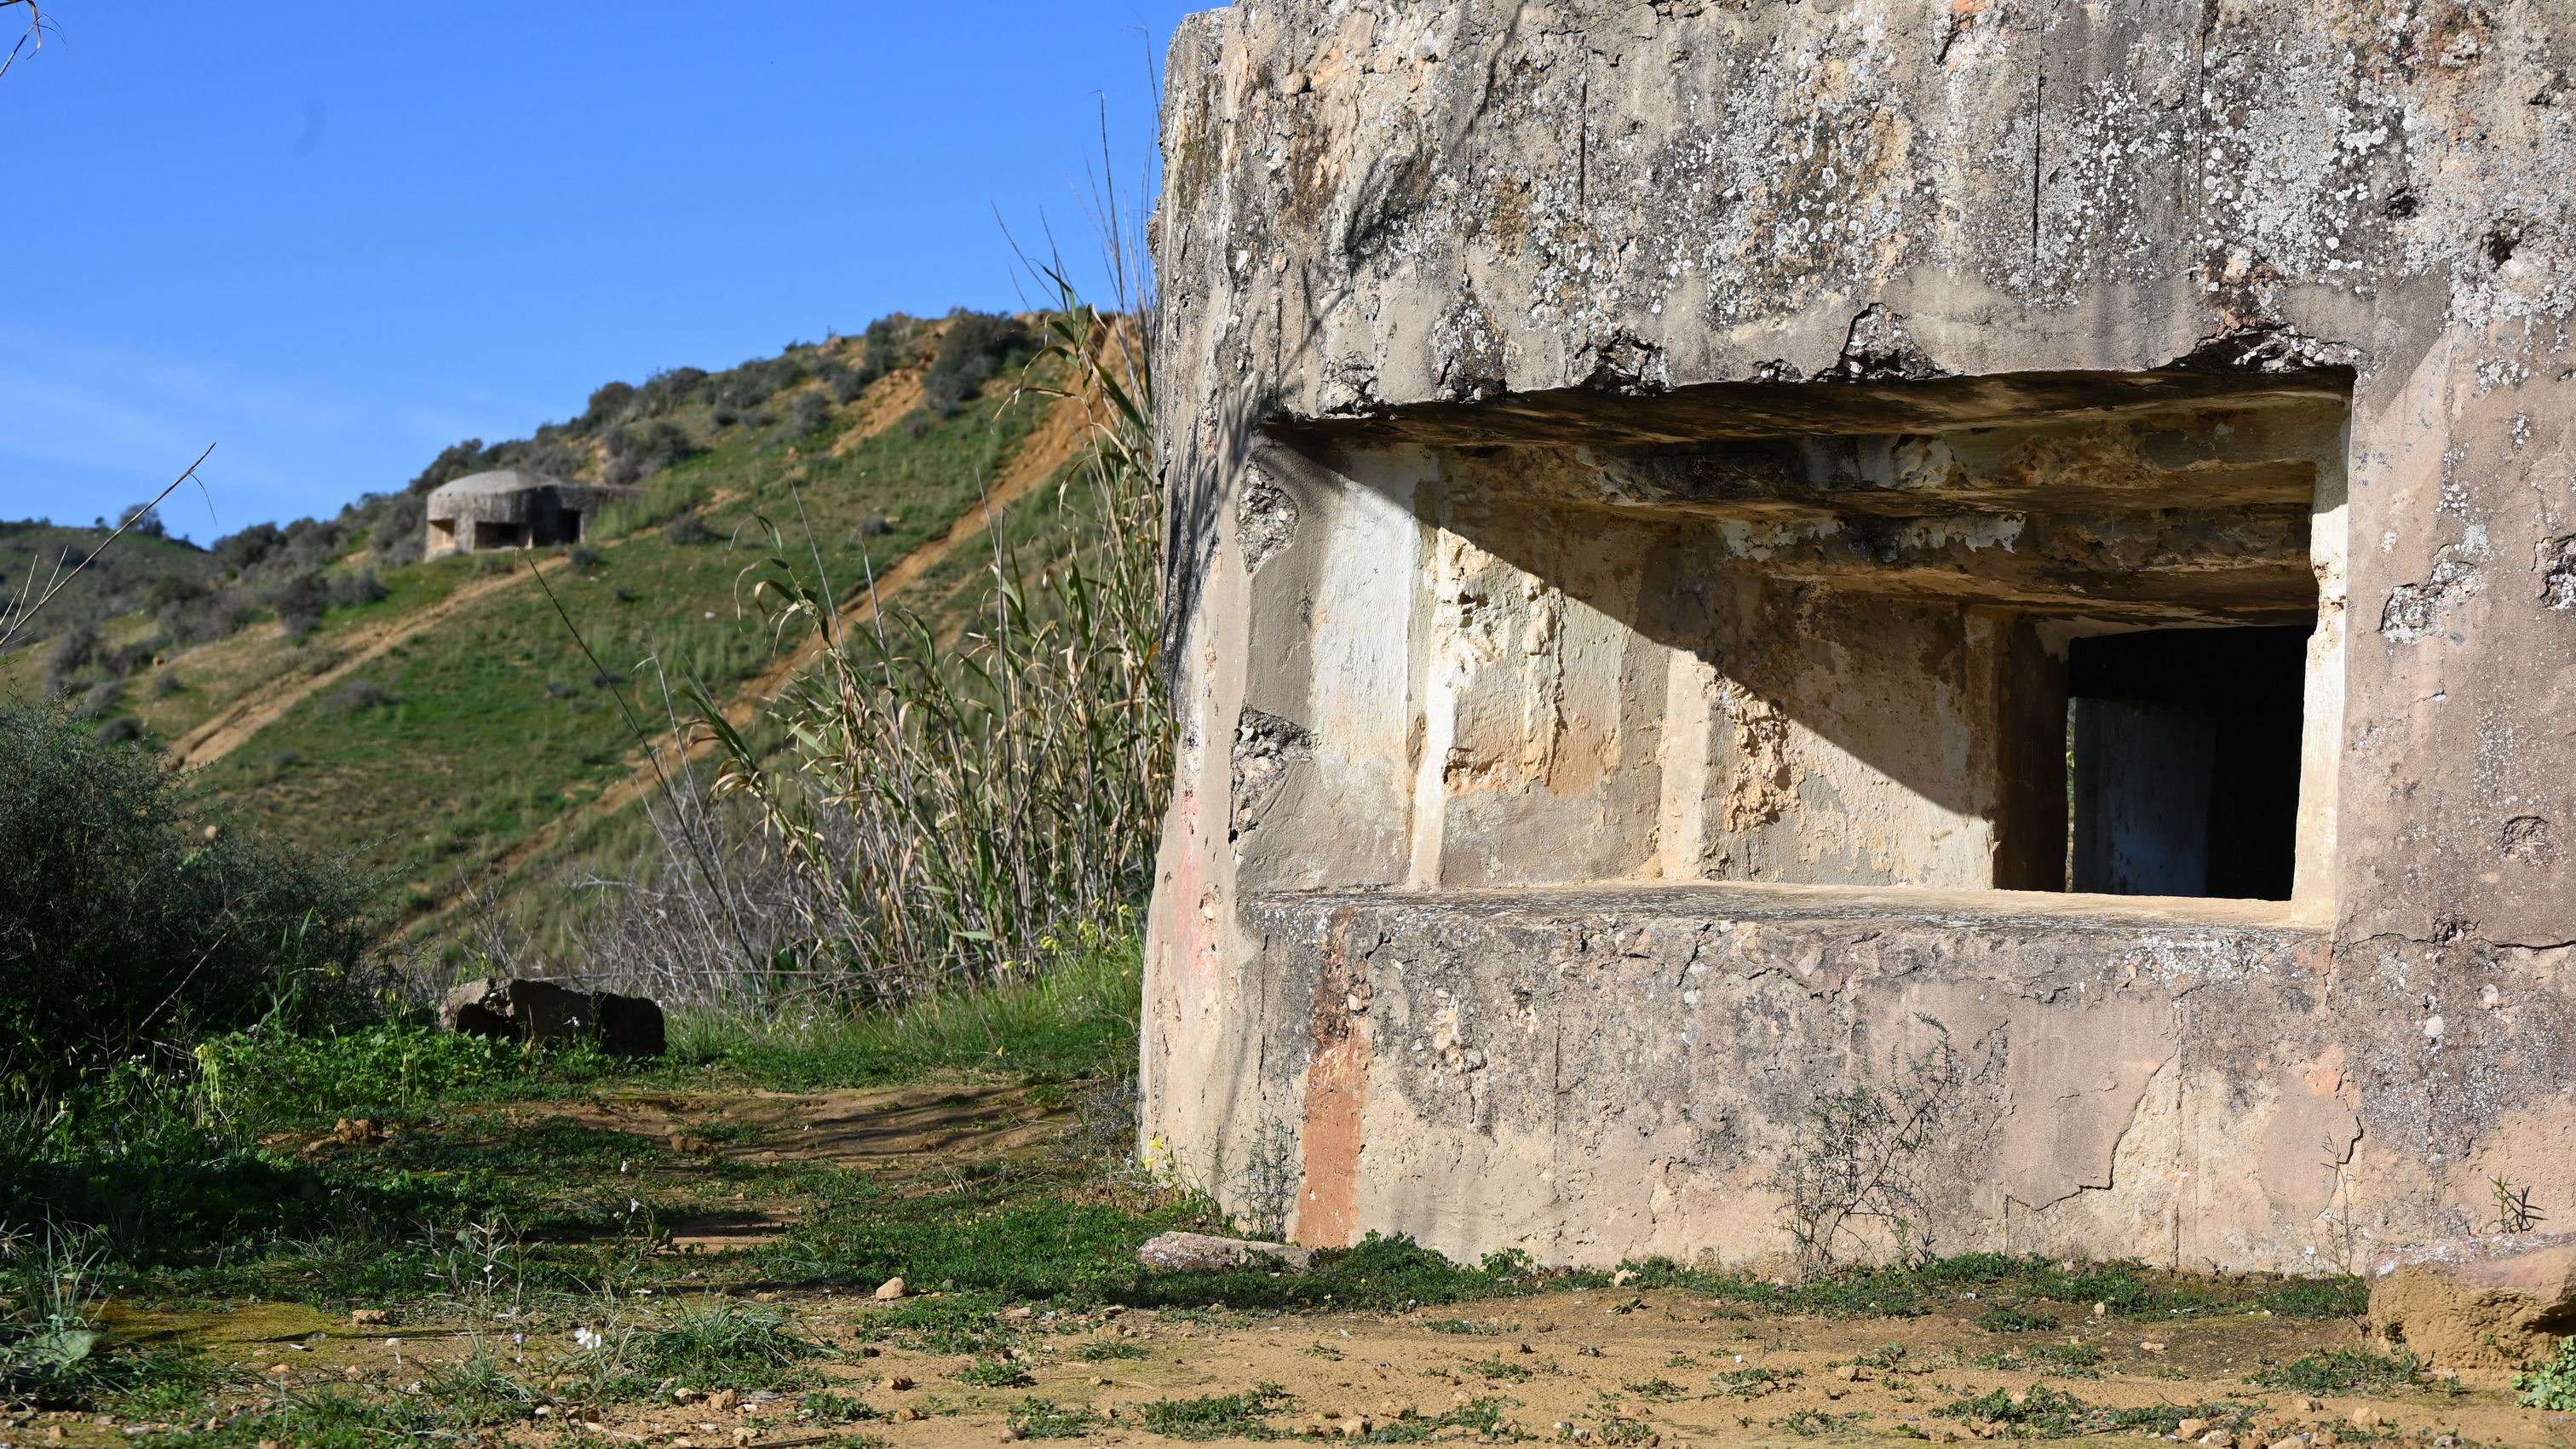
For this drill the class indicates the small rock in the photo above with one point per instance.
(1010, 1436)
(2216, 1439)
(910, 1415)
(683, 1395)
(2306, 1405)
(1623, 1277)
(1849, 1373)
(890, 1289)
(523, 1009)
(1021, 1314)
(1207, 1253)
(2292, 1441)
(899, 1383)
(2367, 1417)
(368, 1317)
(1836, 1391)
(723, 1399)
(2101, 1310)
(2151, 1345)
(2191, 1428)
(1100, 1381)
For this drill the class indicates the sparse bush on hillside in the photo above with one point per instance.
(453, 462)
(122, 730)
(347, 591)
(607, 402)
(240, 551)
(397, 531)
(299, 602)
(641, 450)
(687, 528)
(360, 695)
(975, 346)
(103, 697)
(74, 648)
(884, 346)
(806, 415)
(195, 619)
(125, 932)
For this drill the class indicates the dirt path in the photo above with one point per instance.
(883, 405)
(232, 726)
(1664, 1369)
(1054, 442)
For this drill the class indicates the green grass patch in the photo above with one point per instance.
(2045, 1413)
(1221, 1416)
(1037, 1418)
(2125, 1288)
(1752, 1381)
(994, 1373)
(1077, 1019)
(2016, 1318)
(724, 1346)
(2342, 1371)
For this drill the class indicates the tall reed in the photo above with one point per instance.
(956, 810)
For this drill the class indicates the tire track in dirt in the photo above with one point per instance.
(233, 726)
(1054, 442)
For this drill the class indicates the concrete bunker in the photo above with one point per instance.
(2010, 563)
(507, 509)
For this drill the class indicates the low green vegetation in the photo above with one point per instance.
(2343, 1371)
(133, 920)
(2045, 1413)
(2016, 1318)
(1245, 1415)
(2551, 1383)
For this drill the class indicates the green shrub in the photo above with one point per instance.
(975, 346)
(2550, 1384)
(123, 929)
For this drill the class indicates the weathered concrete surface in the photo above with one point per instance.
(1670, 443)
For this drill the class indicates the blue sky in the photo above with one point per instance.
(333, 238)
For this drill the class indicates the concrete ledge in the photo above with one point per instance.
(1590, 1074)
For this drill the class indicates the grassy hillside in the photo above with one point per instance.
(430, 716)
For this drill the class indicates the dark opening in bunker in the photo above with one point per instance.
(2183, 747)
